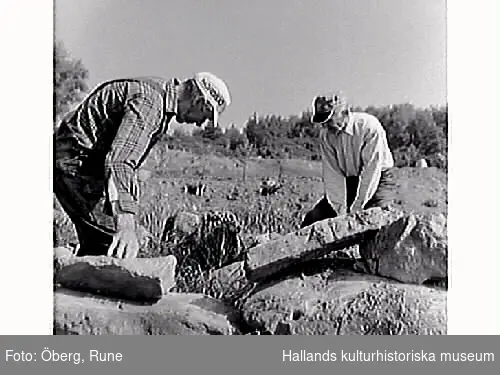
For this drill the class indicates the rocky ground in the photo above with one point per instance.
(299, 283)
(380, 272)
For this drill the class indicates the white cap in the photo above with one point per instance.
(215, 92)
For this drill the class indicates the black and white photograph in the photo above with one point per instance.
(255, 167)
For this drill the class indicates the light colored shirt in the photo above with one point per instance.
(361, 150)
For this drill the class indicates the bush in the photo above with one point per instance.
(214, 244)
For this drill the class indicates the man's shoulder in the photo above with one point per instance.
(159, 82)
(144, 83)
(152, 88)
(147, 82)
(365, 118)
(367, 122)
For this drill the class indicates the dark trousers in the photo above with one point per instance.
(83, 199)
(384, 196)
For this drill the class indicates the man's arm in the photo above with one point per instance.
(334, 180)
(372, 155)
(141, 120)
(139, 124)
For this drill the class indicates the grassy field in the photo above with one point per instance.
(231, 188)
(418, 190)
(233, 185)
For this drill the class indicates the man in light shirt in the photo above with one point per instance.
(356, 160)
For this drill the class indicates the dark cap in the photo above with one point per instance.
(325, 105)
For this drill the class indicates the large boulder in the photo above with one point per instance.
(77, 313)
(344, 302)
(137, 279)
(316, 241)
(414, 249)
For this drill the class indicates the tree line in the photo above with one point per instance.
(413, 133)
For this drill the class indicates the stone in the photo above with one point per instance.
(414, 249)
(262, 238)
(421, 163)
(144, 237)
(78, 313)
(316, 241)
(186, 222)
(228, 283)
(137, 279)
(266, 237)
(342, 302)
(62, 256)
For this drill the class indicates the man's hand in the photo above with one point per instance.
(339, 209)
(125, 243)
(356, 206)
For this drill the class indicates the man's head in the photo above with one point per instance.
(202, 97)
(331, 110)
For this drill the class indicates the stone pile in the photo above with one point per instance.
(97, 295)
(299, 283)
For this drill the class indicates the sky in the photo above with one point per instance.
(275, 55)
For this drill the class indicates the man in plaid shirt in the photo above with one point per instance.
(100, 145)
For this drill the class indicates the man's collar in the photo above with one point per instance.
(349, 128)
(171, 95)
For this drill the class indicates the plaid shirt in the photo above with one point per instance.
(111, 132)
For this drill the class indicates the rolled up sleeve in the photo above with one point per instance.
(372, 155)
(334, 180)
(141, 121)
